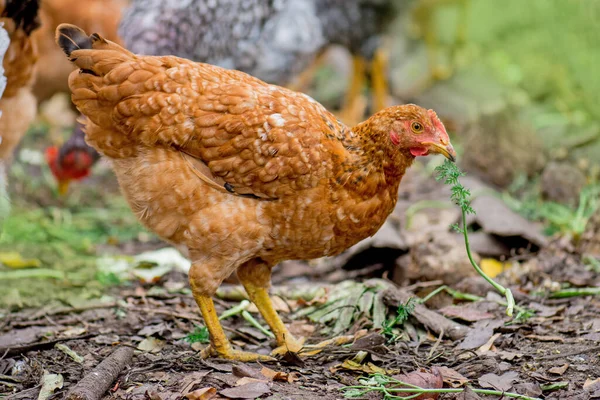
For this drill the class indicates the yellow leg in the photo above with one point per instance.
(256, 277)
(423, 15)
(379, 79)
(205, 278)
(301, 82)
(353, 108)
(219, 345)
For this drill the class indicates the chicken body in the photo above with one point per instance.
(243, 173)
(18, 105)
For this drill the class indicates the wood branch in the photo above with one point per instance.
(96, 383)
(430, 319)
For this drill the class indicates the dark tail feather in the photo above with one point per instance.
(71, 38)
(24, 13)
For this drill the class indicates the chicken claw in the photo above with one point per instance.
(291, 345)
(314, 349)
(231, 354)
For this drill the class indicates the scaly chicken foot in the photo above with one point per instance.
(256, 276)
(219, 345)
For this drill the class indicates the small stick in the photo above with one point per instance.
(96, 383)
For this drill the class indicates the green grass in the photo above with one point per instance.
(199, 335)
(556, 217)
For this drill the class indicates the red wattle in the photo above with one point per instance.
(418, 151)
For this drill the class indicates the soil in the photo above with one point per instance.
(558, 344)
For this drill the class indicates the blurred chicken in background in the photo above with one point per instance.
(74, 159)
(18, 105)
(273, 40)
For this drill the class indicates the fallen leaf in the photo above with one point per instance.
(495, 217)
(499, 382)
(465, 313)
(74, 331)
(469, 394)
(371, 342)
(243, 370)
(71, 353)
(545, 311)
(479, 335)
(452, 377)
(423, 379)
(205, 393)
(559, 370)
(246, 380)
(531, 389)
(508, 355)
(542, 338)
(151, 345)
(50, 382)
(487, 347)
(150, 330)
(248, 391)
(191, 379)
(300, 328)
(279, 375)
(591, 385)
(368, 368)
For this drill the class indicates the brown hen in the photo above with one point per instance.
(243, 173)
(18, 106)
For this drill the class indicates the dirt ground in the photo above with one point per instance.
(559, 344)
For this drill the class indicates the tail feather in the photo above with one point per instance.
(71, 38)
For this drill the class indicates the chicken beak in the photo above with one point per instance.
(63, 187)
(446, 150)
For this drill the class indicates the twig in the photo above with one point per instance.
(573, 353)
(431, 319)
(16, 350)
(96, 383)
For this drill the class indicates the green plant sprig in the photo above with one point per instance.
(449, 173)
(389, 386)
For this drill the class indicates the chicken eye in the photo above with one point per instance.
(416, 127)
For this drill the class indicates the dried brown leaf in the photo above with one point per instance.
(559, 370)
(488, 346)
(243, 370)
(452, 377)
(468, 394)
(548, 338)
(424, 379)
(205, 393)
(591, 385)
(499, 382)
(246, 380)
(248, 391)
(279, 375)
